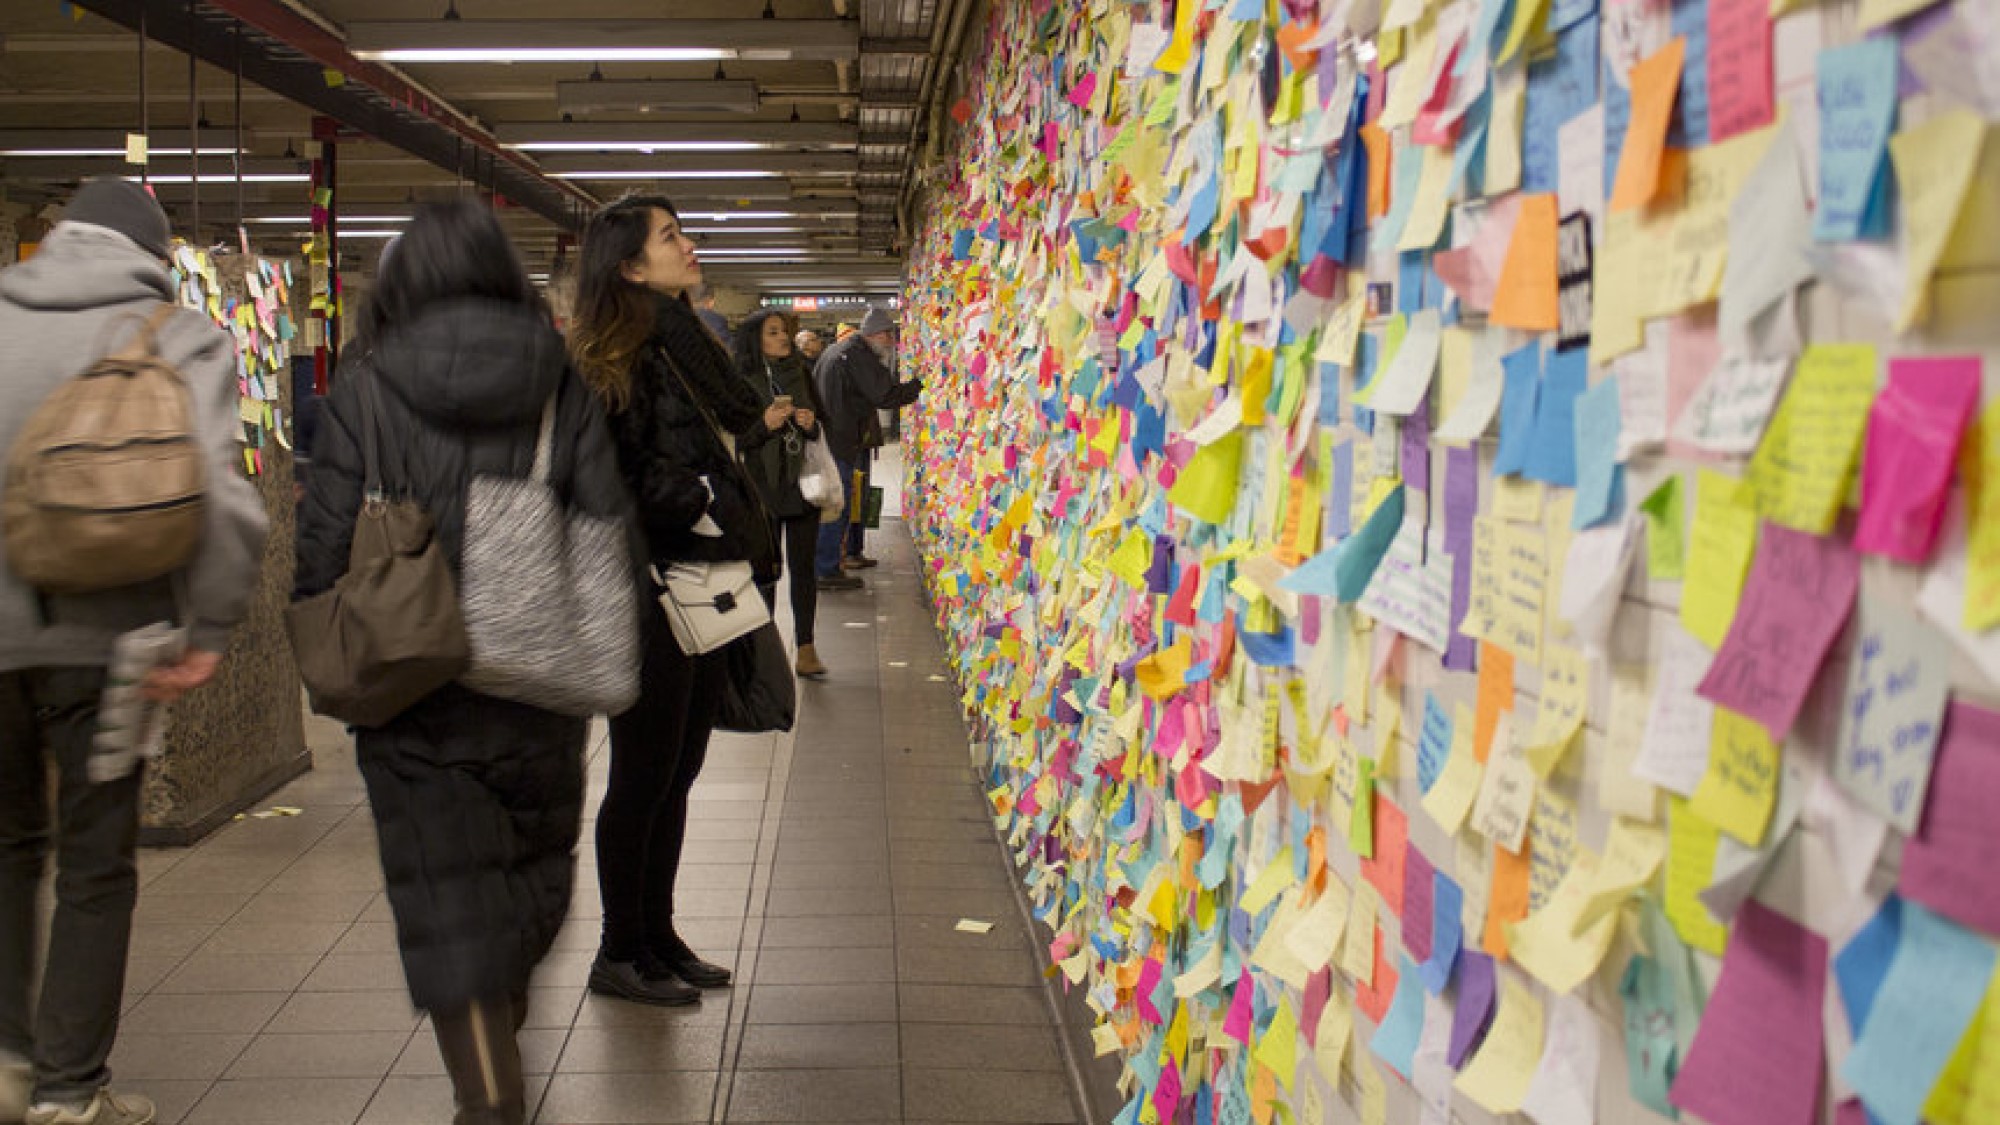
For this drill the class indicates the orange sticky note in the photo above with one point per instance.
(1526, 296)
(1377, 141)
(1392, 838)
(1509, 901)
(1315, 859)
(1655, 80)
(1292, 40)
(1496, 694)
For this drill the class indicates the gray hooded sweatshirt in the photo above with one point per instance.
(80, 297)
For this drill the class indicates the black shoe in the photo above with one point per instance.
(840, 582)
(688, 967)
(858, 562)
(625, 980)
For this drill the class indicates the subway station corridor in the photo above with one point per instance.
(830, 867)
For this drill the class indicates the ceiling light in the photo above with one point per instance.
(753, 252)
(347, 234)
(638, 146)
(728, 216)
(544, 54)
(791, 229)
(111, 152)
(225, 178)
(302, 220)
(612, 174)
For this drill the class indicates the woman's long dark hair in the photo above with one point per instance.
(613, 317)
(450, 251)
(750, 339)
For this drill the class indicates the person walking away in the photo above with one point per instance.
(101, 274)
(478, 801)
(765, 359)
(679, 413)
(854, 382)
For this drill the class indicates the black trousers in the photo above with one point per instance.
(50, 714)
(798, 537)
(657, 751)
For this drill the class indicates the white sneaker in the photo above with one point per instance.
(104, 1109)
(17, 1085)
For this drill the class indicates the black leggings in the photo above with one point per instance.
(657, 750)
(799, 536)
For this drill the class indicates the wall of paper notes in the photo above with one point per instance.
(1471, 532)
(249, 298)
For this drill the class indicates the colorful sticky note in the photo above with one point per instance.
(1721, 544)
(1925, 1003)
(1739, 67)
(1757, 1059)
(1666, 531)
(1948, 865)
(1979, 465)
(1478, 990)
(1498, 1076)
(1552, 444)
(1913, 441)
(1598, 473)
(1521, 391)
(1655, 80)
(1796, 602)
(1395, 1041)
(1207, 487)
(1799, 475)
(1857, 106)
(1691, 848)
(1934, 162)
(1527, 294)
(1740, 788)
(1897, 682)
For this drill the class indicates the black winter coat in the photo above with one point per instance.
(477, 800)
(667, 448)
(853, 384)
(775, 467)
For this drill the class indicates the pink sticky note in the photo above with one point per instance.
(1167, 1095)
(1392, 840)
(1950, 864)
(1236, 1024)
(1796, 601)
(1080, 94)
(1319, 989)
(1693, 350)
(1419, 881)
(1758, 1057)
(1913, 435)
(1739, 67)
(1142, 996)
(1473, 272)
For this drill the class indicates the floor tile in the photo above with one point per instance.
(424, 1101)
(604, 1012)
(819, 1046)
(987, 1096)
(951, 1003)
(336, 1054)
(628, 1099)
(816, 1095)
(386, 1010)
(224, 972)
(174, 1098)
(830, 931)
(823, 1003)
(539, 1051)
(978, 1046)
(213, 908)
(145, 1055)
(791, 902)
(203, 1012)
(832, 965)
(354, 972)
(629, 1050)
(293, 1101)
(239, 938)
(920, 964)
(173, 940)
(800, 874)
(942, 930)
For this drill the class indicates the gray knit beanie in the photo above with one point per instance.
(125, 207)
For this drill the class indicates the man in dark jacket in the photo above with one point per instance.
(854, 382)
(100, 272)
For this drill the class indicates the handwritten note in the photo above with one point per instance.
(1478, 993)
(1796, 602)
(1410, 590)
(1506, 793)
(1680, 726)
(1980, 468)
(1740, 788)
(1925, 1003)
(1934, 166)
(1721, 545)
(1948, 865)
(1757, 1058)
(1739, 67)
(1498, 1076)
(1451, 797)
(1800, 472)
(1913, 441)
(1894, 710)
(1727, 415)
(1691, 848)
(1553, 943)
(1433, 742)
(1857, 108)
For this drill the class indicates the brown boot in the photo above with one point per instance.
(484, 1061)
(809, 664)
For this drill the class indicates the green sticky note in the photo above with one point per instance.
(1666, 529)
(1161, 112)
(1361, 826)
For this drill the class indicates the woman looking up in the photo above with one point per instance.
(679, 416)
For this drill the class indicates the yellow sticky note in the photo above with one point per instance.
(1528, 15)
(1799, 475)
(1741, 785)
(1357, 950)
(1721, 544)
(1968, 1092)
(1979, 467)
(1457, 785)
(1934, 165)
(1343, 331)
(1632, 856)
(1619, 287)
(1181, 47)
(1881, 13)
(1278, 1047)
(1618, 791)
(1524, 571)
(1554, 944)
(1163, 675)
(1698, 245)
(1206, 489)
(1565, 698)
(1498, 1075)
(1425, 224)
(1454, 370)
(1374, 1092)
(1276, 878)
(1133, 556)
(1336, 1027)
(1517, 499)
(1691, 847)
(1406, 91)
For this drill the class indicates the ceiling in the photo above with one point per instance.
(789, 139)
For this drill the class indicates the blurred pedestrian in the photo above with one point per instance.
(766, 359)
(854, 381)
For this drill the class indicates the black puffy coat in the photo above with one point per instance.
(775, 467)
(668, 446)
(477, 800)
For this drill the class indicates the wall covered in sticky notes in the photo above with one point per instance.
(1469, 531)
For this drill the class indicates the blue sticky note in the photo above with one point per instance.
(1857, 107)
(1552, 444)
(1468, 161)
(1861, 964)
(1433, 742)
(1268, 650)
(1447, 933)
(1565, 13)
(1402, 1025)
(1329, 394)
(961, 244)
(1486, 33)
(1523, 370)
(1688, 128)
(1344, 571)
(1406, 170)
(1596, 455)
(1201, 213)
(1934, 988)
(1560, 86)
(1411, 267)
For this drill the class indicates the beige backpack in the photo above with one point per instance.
(104, 485)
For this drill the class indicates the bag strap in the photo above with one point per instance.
(371, 441)
(545, 443)
(728, 447)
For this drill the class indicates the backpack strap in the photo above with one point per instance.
(146, 343)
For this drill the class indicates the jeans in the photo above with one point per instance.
(51, 713)
(833, 536)
(657, 751)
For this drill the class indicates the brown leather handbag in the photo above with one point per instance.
(390, 631)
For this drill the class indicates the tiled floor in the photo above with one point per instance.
(830, 869)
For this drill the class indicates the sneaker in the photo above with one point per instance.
(104, 1109)
(17, 1089)
(808, 665)
(839, 582)
(858, 562)
(623, 980)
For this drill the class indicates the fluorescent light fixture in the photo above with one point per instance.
(655, 174)
(306, 220)
(545, 54)
(347, 234)
(226, 178)
(25, 153)
(755, 216)
(753, 252)
(647, 147)
(792, 228)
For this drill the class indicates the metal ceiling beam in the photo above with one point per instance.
(666, 164)
(751, 39)
(724, 95)
(221, 136)
(373, 99)
(801, 134)
(775, 192)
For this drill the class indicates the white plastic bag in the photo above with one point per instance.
(819, 481)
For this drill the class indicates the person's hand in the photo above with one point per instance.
(776, 415)
(803, 418)
(169, 682)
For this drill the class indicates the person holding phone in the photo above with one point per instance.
(768, 362)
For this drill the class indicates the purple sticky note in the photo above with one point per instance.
(1417, 447)
(1418, 875)
(1948, 865)
(1796, 601)
(1476, 1006)
(1461, 509)
(1759, 1056)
